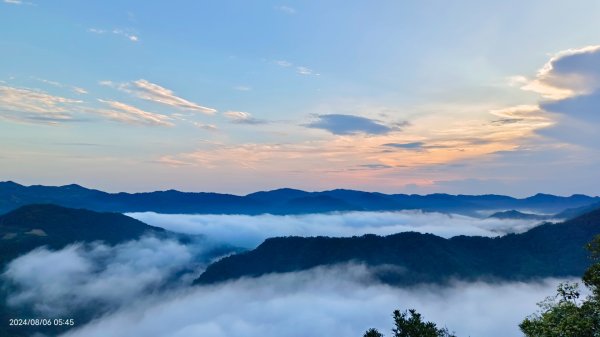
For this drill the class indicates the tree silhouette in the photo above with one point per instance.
(565, 314)
(373, 333)
(410, 324)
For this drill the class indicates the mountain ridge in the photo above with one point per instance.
(279, 201)
(548, 250)
(32, 226)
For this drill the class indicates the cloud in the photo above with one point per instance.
(124, 33)
(408, 146)
(141, 288)
(58, 283)
(283, 63)
(301, 70)
(155, 93)
(375, 166)
(125, 113)
(338, 301)
(208, 127)
(35, 106)
(286, 9)
(242, 88)
(129, 36)
(570, 83)
(240, 117)
(528, 116)
(75, 89)
(569, 73)
(96, 30)
(79, 90)
(339, 124)
(337, 158)
(305, 71)
(17, 2)
(248, 231)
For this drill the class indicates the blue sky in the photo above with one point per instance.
(238, 96)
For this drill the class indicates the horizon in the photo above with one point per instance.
(397, 98)
(297, 189)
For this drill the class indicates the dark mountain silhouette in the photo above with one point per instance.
(281, 201)
(512, 214)
(280, 196)
(407, 258)
(577, 211)
(54, 226)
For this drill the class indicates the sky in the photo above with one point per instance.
(464, 97)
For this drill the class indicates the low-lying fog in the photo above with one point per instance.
(248, 231)
(143, 287)
(322, 302)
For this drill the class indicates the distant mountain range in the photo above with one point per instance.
(549, 250)
(281, 201)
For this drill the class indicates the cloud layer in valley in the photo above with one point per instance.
(249, 231)
(142, 288)
(340, 301)
(62, 282)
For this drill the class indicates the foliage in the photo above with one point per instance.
(373, 333)
(565, 314)
(410, 324)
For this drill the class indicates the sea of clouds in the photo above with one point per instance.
(248, 231)
(143, 287)
(336, 301)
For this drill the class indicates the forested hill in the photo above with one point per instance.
(280, 201)
(408, 258)
(54, 226)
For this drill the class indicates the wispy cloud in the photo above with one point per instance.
(301, 70)
(35, 106)
(77, 90)
(208, 127)
(242, 88)
(155, 93)
(283, 63)
(305, 71)
(286, 9)
(120, 32)
(530, 115)
(125, 113)
(240, 117)
(96, 30)
(17, 2)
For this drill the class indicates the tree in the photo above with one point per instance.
(565, 314)
(410, 324)
(373, 333)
